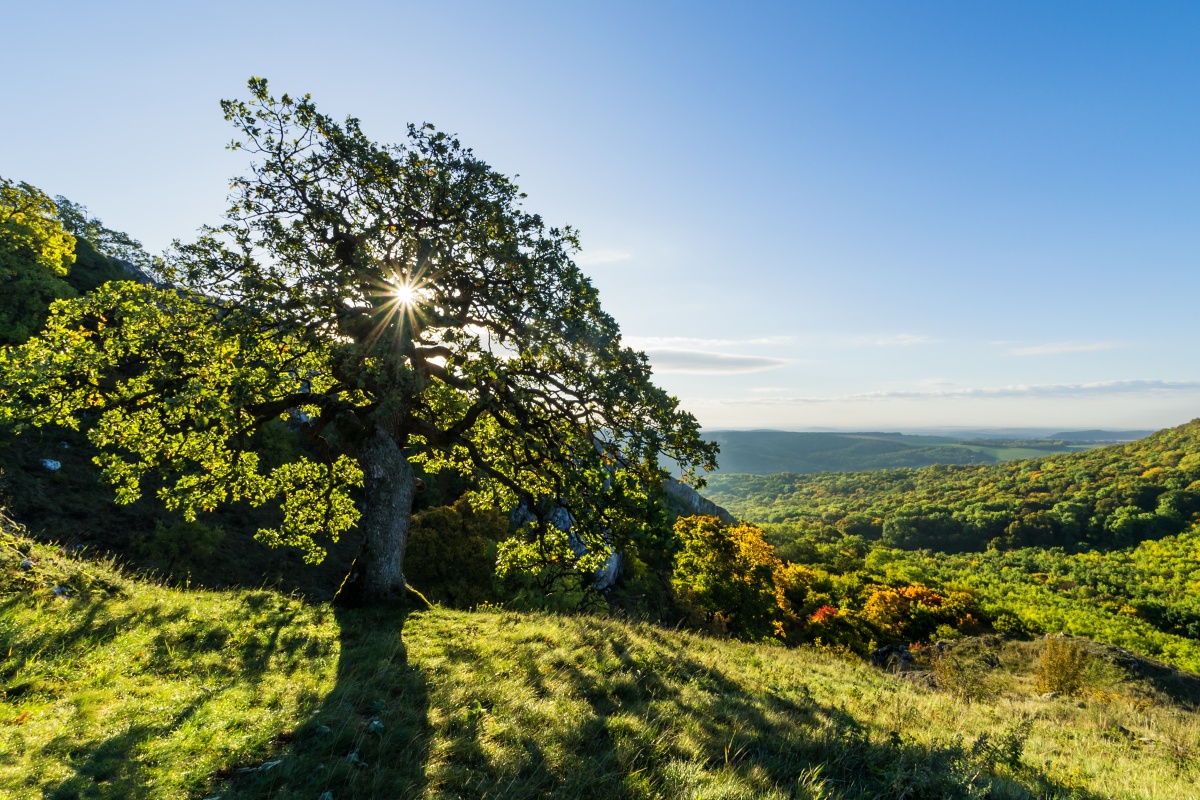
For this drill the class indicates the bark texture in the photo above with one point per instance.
(389, 489)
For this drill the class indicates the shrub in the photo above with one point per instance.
(1010, 625)
(181, 546)
(451, 555)
(917, 613)
(1061, 669)
(727, 570)
(967, 678)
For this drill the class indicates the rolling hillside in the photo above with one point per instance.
(768, 452)
(115, 687)
(1100, 544)
(1110, 496)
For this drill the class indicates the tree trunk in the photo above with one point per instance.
(378, 573)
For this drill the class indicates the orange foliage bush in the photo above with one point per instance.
(726, 573)
(913, 613)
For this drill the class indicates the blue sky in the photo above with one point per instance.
(854, 215)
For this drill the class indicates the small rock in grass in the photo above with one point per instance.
(376, 727)
(60, 591)
(51, 464)
(27, 564)
(326, 796)
(1049, 695)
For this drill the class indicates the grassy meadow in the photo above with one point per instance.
(115, 687)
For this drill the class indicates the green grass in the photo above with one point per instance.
(120, 688)
(1017, 453)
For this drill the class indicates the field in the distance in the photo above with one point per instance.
(768, 452)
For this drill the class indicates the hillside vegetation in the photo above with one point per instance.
(1146, 598)
(1111, 496)
(114, 687)
(1102, 544)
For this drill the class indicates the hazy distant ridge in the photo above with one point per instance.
(766, 452)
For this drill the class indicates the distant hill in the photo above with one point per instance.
(767, 452)
(1105, 437)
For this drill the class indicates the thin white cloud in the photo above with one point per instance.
(602, 257)
(892, 340)
(1098, 388)
(702, 362)
(1060, 348)
(693, 343)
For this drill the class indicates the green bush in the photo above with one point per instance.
(725, 577)
(969, 678)
(451, 556)
(179, 547)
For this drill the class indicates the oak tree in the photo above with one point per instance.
(399, 305)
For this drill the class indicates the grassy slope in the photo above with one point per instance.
(950, 449)
(122, 688)
(1016, 453)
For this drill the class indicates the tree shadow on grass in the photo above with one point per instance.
(110, 769)
(367, 738)
(534, 707)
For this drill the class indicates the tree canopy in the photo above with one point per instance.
(35, 255)
(398, 305)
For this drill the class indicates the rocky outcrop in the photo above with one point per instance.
(688, 501)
